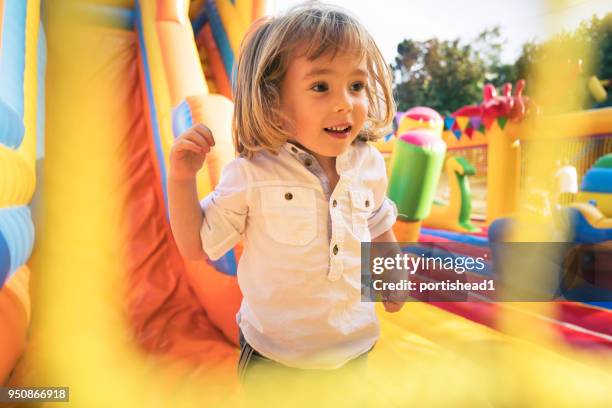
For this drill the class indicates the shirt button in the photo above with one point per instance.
(308, 162)
(367, 203)
(334, 203)
(288, 196)
(335, 250)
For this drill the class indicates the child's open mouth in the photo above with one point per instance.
(339, 132)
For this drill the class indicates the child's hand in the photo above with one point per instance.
(189, 151)
(392, 307)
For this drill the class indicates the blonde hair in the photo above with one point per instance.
(263, 61)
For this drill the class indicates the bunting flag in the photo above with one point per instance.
(457, 133)
(449, 121)
(476, 122)
(488, 121)
(469, 125)
(462, 121)
(470, 132)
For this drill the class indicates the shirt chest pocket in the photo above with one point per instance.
(362, 204)
(289, 214)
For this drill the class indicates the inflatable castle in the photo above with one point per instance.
(94, 293)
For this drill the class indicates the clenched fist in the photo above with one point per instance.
(189, 151)
(393, 307)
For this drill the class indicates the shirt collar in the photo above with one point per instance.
(343, 161)
(300, 154)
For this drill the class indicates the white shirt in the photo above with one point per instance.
(300, 267)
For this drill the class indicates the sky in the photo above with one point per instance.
(390, 21)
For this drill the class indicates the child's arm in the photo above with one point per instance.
(186, 158)
(389, 237)
(382, 219)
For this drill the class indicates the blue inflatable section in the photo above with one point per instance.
(227, 263)
(223, 45)
(585, 233)
(588, 291)
(498, 230)
(597, 180)
(198, 23)
(11, 126)
(5, 260)
(17, 230)
(12, 65)
(606, 305)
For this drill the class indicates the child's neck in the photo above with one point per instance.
(328, 164)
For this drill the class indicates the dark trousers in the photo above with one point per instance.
(267, 379)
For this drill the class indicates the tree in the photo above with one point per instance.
(591, 42)
(446, 75)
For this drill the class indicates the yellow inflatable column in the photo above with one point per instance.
(503, 175)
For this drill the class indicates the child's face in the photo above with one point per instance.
(320, 95)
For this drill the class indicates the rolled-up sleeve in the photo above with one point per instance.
(225, 210)
(385, 212)
(382, 219)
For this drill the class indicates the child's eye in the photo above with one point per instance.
(320, 87)
(357, 86)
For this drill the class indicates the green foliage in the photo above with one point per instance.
(446, 75)
(593, 42)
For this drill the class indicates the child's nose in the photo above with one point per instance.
(343, 103)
